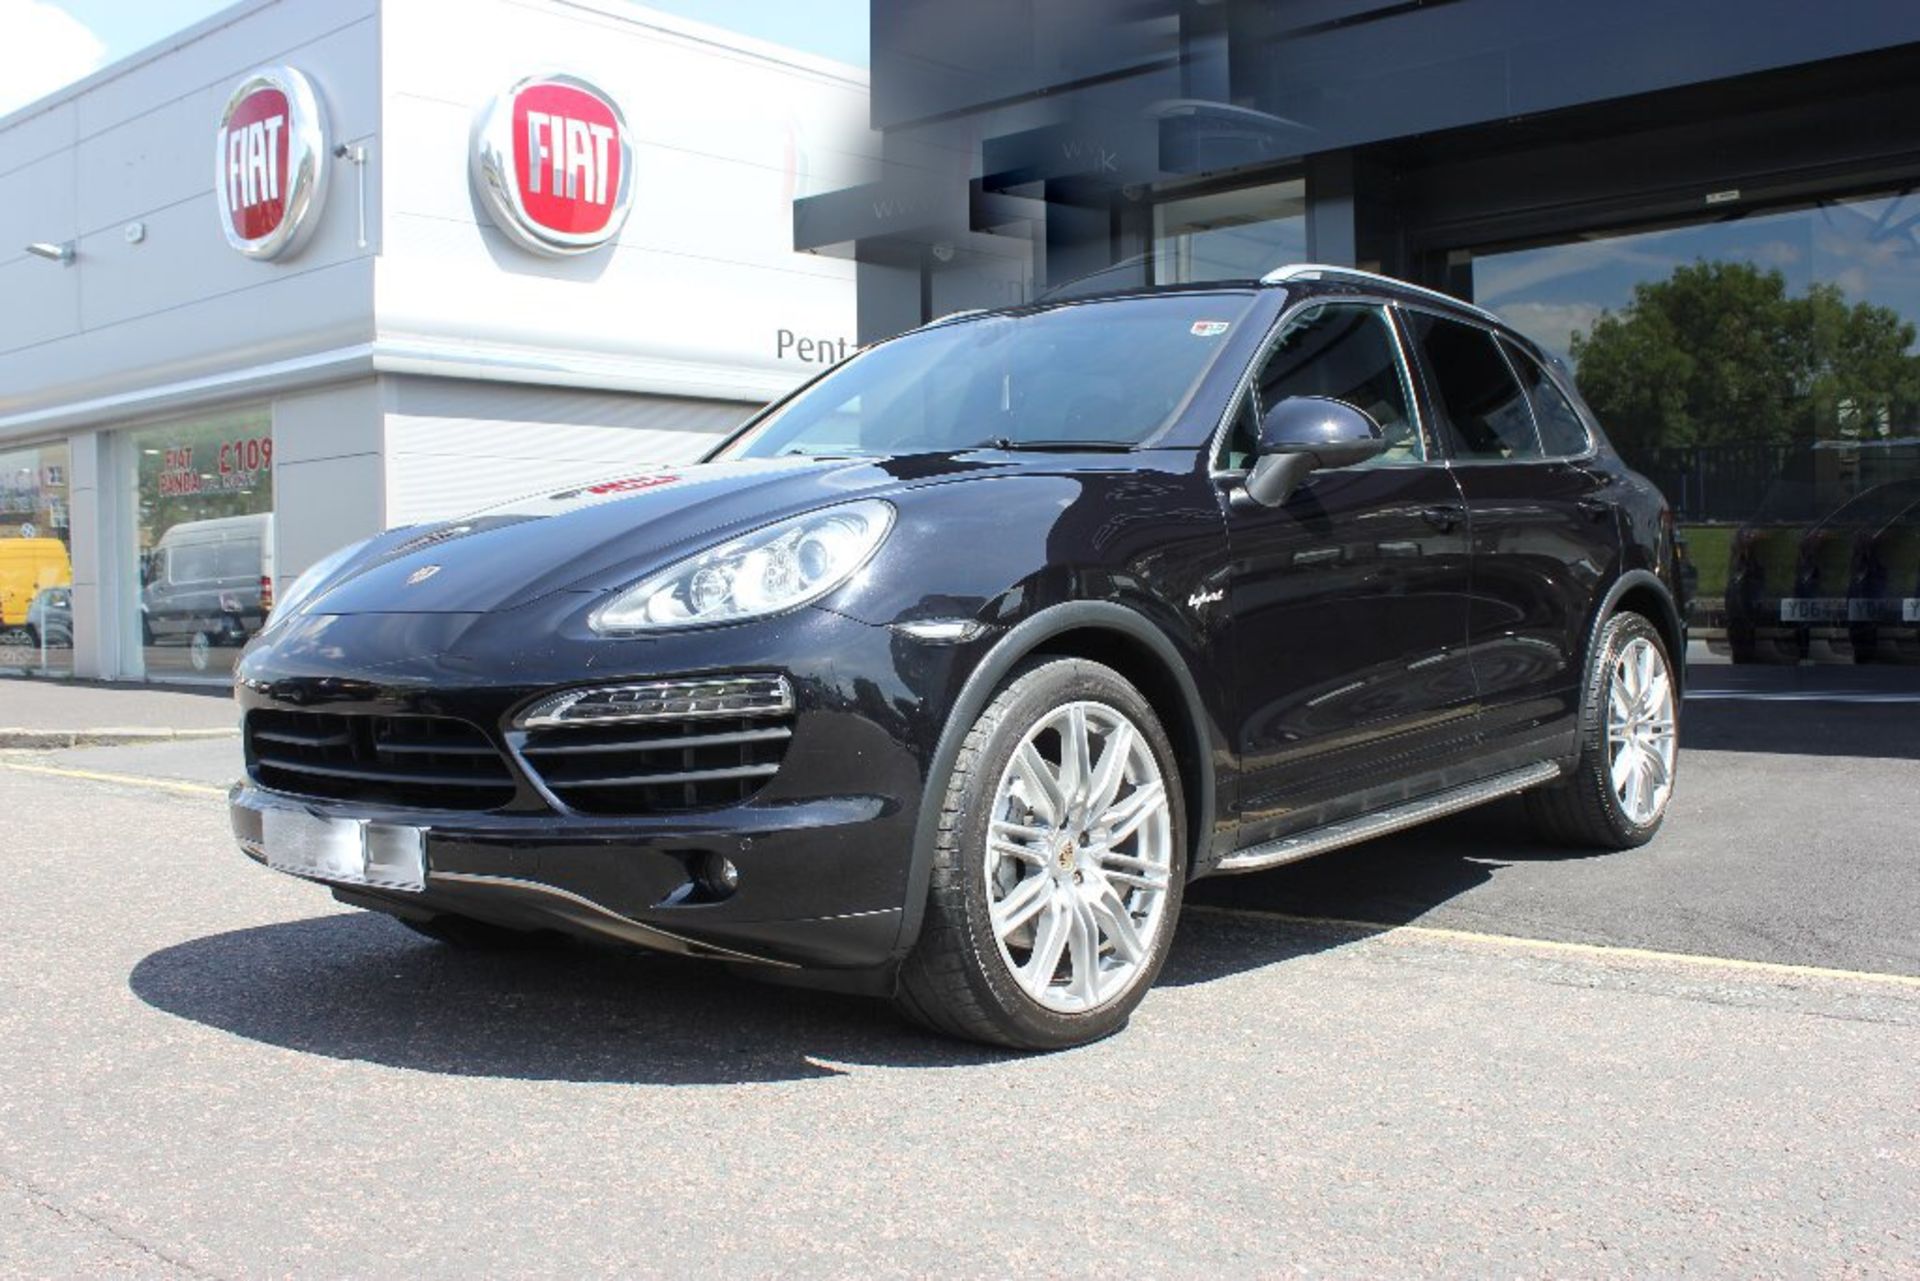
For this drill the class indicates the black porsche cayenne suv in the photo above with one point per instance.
(944, 675)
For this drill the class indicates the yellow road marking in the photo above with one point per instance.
(1591, 951)
(131, 780)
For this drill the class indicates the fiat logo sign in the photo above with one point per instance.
(553, 164)
(270, 163)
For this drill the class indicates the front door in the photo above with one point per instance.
(1349, 600)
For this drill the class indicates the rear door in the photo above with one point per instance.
(1545, 532)
(1349, 600)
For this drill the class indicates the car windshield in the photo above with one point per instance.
(1103, 373)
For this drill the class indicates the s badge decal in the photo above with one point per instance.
(422, 574)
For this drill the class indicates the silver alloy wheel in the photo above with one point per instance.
(1079, 857)
(1640, 731)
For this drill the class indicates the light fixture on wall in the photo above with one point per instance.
(60, 252)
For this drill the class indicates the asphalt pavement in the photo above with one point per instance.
(1699, 1057)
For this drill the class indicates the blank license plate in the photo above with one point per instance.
(349, 850)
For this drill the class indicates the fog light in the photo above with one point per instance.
(720, 875)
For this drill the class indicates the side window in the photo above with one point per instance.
(1562, 432)
(1486, 412)
(1344, 351)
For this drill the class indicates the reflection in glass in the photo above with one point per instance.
(1230, 235)
(1765, 371)
(36, 564)
(205, 540)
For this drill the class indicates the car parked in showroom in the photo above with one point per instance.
(943, 677)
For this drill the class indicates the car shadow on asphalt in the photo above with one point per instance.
(1393, 880)
(359, 986)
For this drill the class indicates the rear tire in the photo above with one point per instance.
(1616, 796)
(1050, 934)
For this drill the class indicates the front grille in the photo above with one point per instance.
(427, 762)
(659, 766)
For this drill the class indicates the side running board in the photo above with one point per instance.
(1351, 831)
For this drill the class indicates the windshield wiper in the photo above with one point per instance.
(1058, 446)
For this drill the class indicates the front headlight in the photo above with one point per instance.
(779, 567)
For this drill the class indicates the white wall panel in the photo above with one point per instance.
(36, 131)
(223, 49)
(36, 203)
(328, 476)
(454, 447)
(39, 302)
(287, 316)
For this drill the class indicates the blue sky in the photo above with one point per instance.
(45, 44)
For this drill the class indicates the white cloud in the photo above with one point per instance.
(42, 47)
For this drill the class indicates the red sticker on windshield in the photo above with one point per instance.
(1209, 328)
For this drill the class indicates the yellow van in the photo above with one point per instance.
(26, 566)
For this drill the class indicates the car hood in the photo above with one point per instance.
(608, 534)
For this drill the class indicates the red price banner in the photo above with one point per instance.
(239, 465)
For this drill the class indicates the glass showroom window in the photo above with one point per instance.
(1765, 371)
(1230, 235)
(36, 567)
(203, 527)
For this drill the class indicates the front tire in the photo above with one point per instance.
(1059, 866)
(1616, 797)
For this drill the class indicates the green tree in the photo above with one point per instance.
(1718, 352)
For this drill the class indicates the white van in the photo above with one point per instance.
(209, 582)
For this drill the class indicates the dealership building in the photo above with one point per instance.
(315, 268)
(1749, 164)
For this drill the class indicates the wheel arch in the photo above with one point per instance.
(1102, 632)
(1642, 592)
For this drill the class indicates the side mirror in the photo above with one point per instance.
(1304, 432)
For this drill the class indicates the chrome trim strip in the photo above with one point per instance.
(546, 714)
(1298, 271)
(602, 918)
(725, 775)
(1350, 831)
(771, 735)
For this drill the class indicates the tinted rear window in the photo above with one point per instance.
(1562, 431)
(1485, 411)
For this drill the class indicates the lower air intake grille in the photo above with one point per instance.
(426, 762)
(659, 766)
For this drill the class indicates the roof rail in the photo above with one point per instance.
(1323, 271)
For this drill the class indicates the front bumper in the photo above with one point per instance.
(822, 851)
(799, 902)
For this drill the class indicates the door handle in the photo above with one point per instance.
(1598, 508)
(1443, 518)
